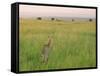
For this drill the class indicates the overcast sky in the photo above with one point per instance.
(29, 11)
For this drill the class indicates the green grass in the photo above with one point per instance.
(74, 44)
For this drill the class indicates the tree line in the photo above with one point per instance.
(40, 18)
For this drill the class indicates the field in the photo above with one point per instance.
(74, 44)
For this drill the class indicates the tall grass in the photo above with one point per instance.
(74, 44)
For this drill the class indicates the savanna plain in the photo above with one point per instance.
(73, 44)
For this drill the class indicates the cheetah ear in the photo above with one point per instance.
(48, 36)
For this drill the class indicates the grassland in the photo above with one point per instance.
(74, 44)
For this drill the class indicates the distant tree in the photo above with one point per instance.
(73, 20)
(39, 18)
(52, 19)
(90, 20)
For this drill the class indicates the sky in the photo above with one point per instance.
(29, 11)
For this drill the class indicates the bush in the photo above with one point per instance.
(52, 19)
(39, 18)
(90, 20)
